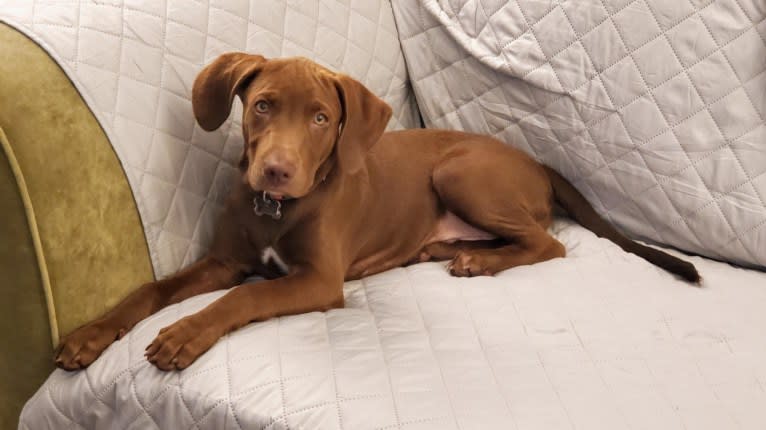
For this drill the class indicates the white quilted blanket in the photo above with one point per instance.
(134, 62)
(654, 108)
(599, 340)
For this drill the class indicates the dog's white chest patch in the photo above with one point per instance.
(269, 255)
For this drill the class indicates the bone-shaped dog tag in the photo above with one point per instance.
(265, 205)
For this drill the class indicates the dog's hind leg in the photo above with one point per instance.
(504, 193)
(440, 251)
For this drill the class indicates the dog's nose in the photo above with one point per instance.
(278, 173)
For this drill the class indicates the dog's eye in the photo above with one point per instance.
(262, 106)
(320, 118)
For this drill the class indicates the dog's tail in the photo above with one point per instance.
(579, 208)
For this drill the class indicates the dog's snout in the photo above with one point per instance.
(278, 173)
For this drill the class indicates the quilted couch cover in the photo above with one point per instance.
(653, 108)
(134, 62)
(598, 340)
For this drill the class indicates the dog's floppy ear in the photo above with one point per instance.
(218, 83)
(365, 117)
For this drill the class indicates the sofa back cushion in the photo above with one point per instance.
(654, 109)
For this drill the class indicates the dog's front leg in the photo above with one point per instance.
(305, 290)
(81, 347)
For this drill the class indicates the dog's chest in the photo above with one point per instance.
(271, 260)
(264, 250)
(265, 254)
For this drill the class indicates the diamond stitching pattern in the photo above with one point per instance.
(655, 84)
(419, 348)
(723, 214)
(559, 81)
(673, 204)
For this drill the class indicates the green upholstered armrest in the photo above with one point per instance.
(71, 241)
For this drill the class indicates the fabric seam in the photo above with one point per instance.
(42, 266)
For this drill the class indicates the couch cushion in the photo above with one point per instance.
(598, 340)
(654, 109)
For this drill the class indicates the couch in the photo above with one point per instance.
(654, 110)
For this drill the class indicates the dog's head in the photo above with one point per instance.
(297, 116)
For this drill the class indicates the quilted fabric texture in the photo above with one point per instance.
(653, 108)
(598, 340)
(134, 62)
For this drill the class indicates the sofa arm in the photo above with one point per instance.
(24, 325)
(71, 241)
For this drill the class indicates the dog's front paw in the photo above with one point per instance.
(84, 345)
(179, 344)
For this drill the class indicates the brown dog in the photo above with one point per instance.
(325, 197)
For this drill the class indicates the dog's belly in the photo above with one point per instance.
(448, 229)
